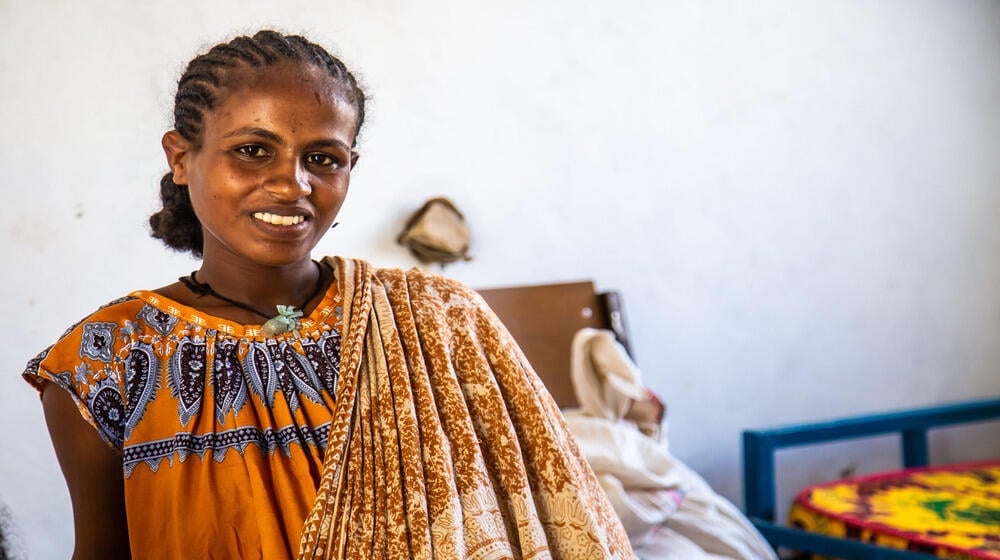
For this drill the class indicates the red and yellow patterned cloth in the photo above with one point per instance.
(951, 512)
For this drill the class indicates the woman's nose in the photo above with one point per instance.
(288, 180)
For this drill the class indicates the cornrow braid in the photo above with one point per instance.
(200, 88)
(336, 69)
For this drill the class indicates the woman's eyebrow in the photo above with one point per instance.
(330, 143)
(269, 135)
(255, 131)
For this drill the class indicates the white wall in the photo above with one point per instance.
(799, 200)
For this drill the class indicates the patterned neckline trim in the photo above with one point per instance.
(320, 315)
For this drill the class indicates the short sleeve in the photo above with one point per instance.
(87, 363)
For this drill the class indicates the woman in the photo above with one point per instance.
(273, 406)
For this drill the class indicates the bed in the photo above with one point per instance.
(919, 511)
(577, 341)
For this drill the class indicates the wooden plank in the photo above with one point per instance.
(543, 320)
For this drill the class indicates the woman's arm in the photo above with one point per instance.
(94, 476)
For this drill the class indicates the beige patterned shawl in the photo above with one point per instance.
(444, 442)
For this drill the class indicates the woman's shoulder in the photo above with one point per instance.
(96, 333)
(117, 311)
(91, 338)
(418, 285)
(437, 284)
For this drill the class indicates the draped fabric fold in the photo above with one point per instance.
(444, 443)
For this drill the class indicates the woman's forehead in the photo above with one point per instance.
(290, 75)
(296, 95)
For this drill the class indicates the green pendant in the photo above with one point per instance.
(287, 320)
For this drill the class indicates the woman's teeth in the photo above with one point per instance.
(278, 220)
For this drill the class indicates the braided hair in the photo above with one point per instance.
(202, 86)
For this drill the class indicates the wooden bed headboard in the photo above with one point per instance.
(543, 319)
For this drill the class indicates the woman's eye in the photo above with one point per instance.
(321, 160)
(252, 151)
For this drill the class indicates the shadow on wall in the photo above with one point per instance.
(6, 552)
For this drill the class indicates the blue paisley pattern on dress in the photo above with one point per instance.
(105, 403)
(260, 372)
(142, 367)
(123, 364)
(228, 380)
(187, 377)
(301, 372)
(98, 339)
(161, 321)
(324, 357)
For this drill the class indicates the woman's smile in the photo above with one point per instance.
(277, 219)
(282, 225)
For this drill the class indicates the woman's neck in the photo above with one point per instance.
(259, 286)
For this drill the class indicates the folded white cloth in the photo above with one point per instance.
(638, 475)
(668, 510)
(605, 380)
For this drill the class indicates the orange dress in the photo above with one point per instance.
(401, 421)
(222, 431)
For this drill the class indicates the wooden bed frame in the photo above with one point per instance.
(543, 319)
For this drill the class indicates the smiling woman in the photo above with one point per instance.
(375, 412)
(270, 170)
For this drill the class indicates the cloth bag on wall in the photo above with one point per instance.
(437, 233)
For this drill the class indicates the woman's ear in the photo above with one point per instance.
(177, 149)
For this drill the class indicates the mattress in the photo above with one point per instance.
(950, 512)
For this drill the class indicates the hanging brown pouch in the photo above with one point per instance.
(437, 233)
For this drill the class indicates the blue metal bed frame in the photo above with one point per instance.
(760, 446)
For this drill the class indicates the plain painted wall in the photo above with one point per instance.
(799, 200)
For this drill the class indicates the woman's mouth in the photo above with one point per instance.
(278, 220)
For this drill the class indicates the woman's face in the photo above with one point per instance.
(273, 167)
